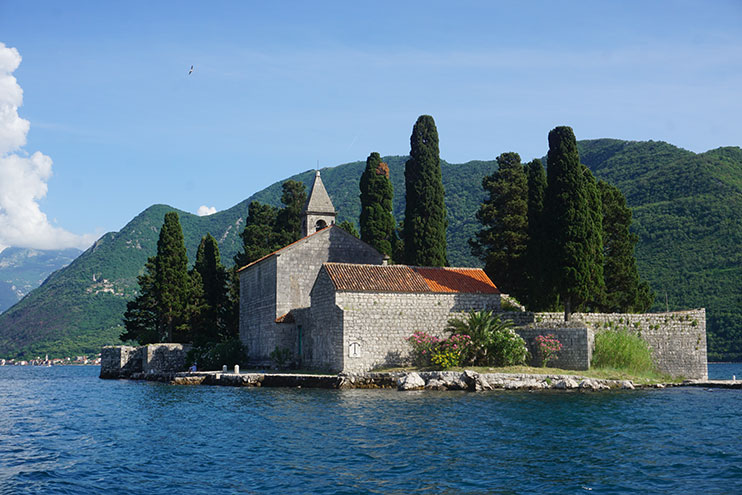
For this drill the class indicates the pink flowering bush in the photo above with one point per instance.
(423, 347)
(452, 352)
(548, 346)
(431, 351)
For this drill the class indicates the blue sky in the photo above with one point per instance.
(281, 86)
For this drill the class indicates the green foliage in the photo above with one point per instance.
(281, 357)
(621, 349)
(625, 292)
(539, 294)
(425, 214)
(423, 347)
(260, 236)
(502, 242)
(687, 212)
(571, 227)
(213, 355)
(349, 227)
(289, 218)
(213, 321)
(493, 341)
(170, 298)
(377, 220)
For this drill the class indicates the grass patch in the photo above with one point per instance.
(622, 350)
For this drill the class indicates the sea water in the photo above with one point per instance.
(64, 430)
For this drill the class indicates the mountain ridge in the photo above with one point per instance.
(687, 211)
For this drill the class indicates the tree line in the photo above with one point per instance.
(559, 240)
(553, 241)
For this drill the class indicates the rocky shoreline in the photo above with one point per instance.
(404, 381)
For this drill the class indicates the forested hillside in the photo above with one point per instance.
(687, 213)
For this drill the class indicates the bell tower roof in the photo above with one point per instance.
(319, 201)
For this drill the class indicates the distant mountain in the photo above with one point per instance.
(687, 210)
(22, 270)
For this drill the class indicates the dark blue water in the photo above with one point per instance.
(63, 430)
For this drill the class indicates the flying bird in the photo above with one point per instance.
(190, 71)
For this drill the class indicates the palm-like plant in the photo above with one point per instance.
(494, 342)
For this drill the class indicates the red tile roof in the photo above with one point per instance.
(468, 280)
(402, 278)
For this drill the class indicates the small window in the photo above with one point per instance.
(321, 224)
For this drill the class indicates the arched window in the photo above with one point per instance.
(321, 224)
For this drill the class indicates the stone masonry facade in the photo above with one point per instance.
(677, 339)
(280, 283)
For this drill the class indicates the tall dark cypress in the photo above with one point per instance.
(259, 237)
(568, 222)
(377, 220)
(540, 295)
(172, 283)
(214, 277)
(502, 242)
(625, 291)
(594, 241)
(288, 220)
(425, 212)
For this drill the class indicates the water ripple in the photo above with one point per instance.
(62, 430)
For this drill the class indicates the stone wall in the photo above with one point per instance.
(164, 358)
(577, 346)
(677, 339)
(376, 325)
(119, 361)
(299, 265)
(123, 361)
(258, 307)
(283, 282)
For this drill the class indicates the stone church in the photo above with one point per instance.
(334, 303)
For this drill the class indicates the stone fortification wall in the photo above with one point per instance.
(577, 345)
(164, 358)
(123, 361)
(677, 339)
(375, 325)
(258, 308)
(119, 361)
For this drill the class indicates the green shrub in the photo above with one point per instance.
(622, 350)
(281, 357)
(493, 341)
(423, 347)
(214, 355)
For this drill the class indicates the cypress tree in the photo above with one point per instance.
(502, 242)
(539, 295)
(259, 237)
(594, 243)
(350, 228)
(172, 284)
(625, 291)
(425, 212)
(377, 221)
(569, 223)
(288, 220)
(141, 322)
(169, 298)
(213, 319)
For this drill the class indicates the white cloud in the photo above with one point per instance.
(23, 177)
(204, 210)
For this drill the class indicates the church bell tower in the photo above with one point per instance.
(319, 212)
